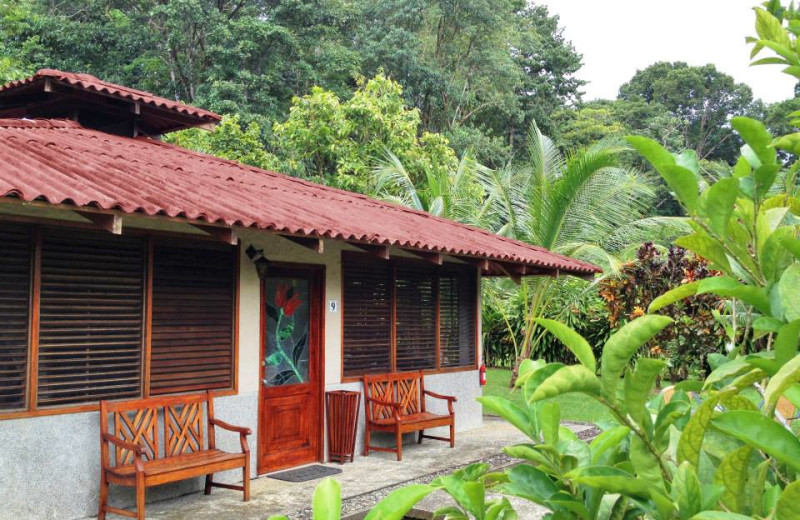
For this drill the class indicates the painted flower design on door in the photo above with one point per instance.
(287, 324)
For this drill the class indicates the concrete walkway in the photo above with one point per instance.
(363, 482)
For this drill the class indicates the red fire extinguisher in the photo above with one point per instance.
(482, 371)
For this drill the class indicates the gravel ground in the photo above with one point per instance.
(362, 503)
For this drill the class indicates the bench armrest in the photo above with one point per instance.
(394, 406)
(241, 430)
(449, 398)
(226, 426)
(126, 445)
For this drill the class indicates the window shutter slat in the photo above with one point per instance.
(90, 319)
(367, 316)
(15, 283)
(192, 328)
(416, 317)
(458, 301)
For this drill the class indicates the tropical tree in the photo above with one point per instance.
(584, 205)
(452, 193)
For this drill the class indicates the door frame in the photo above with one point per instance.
(317, 275)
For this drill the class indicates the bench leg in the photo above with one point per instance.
(103, 502)
(399, 440)
(421, 433)
(246, 480)
(452, 435)
(366, 441)
(209, 482)
(140, 496)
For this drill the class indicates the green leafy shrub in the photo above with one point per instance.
(695, 332)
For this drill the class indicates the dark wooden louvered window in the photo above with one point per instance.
(15, 290)
(91, 317)
(367, 316)
(399, 313)
(415, 289)
(192, 323)
(74, 321)
(458, 311)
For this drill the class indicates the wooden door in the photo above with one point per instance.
(290, 417)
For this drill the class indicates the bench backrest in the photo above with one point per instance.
(405, 388)
(183, 421)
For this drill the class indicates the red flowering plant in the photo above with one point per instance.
(695, 332)
(286, 354)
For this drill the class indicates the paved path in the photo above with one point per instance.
(363, 482)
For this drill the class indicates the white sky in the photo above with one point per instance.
(617, 37)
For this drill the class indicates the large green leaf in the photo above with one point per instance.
(732, 473)
(773, 255)
(537, 377)
(716, 204)
(761, 433)
(686, 491)
(624, 484)
(694, 432)
(639, 385)
(788, 375)
(529, 483)
(399, 502)
(527, 452)
(469, 495)
(607, 440)
(568, 379)
(728, 287)
(327, 500)
(705, 246)
(680, 179)
(719, 515)
(550, 422)
(623, 344)
(788, 507)
(674, 295)
(511, 412)
(790, 293)
(645, 463)
(572, 340)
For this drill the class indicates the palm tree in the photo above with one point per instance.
(454, 194)
(585, 205)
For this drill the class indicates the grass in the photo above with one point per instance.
(574, 407)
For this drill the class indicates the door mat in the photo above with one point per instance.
(305, 474)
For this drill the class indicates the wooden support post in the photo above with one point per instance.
(431, 256)
(106, 221)
(223, 234)
(375, 250)
(314, 244)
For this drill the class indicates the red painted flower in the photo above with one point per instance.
(280, 294)
(291, 306)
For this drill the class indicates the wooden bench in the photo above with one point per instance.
(396, 403)
(140, 461)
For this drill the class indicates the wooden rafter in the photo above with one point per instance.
(378, 251)
(480, 263)
(314, 244)
(431, 256)
(110, 222)
(223, 234)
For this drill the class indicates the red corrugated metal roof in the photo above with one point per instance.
(63, 163)
(91, 83)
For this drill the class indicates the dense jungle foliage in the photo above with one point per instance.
(467, 109)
